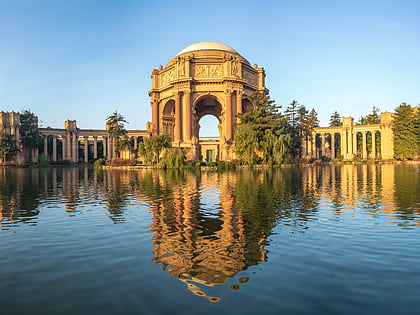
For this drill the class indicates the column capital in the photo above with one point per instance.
(228, 92)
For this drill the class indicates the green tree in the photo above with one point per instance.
(335, 120)
(29, 132)
(405, 139)
(115, 125)
(152, 147)
(260, 135)
(8, 146)
(372, 118)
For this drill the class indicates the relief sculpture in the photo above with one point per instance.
(168, 77)
(208, 71)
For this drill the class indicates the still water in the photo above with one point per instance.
(306, 240)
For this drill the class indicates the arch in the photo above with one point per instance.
(168, 118)
(247, 105)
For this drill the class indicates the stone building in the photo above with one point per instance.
(205, 78)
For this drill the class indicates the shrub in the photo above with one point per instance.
(42, 160)
(172, 158)
(225, 165)
(99, 162)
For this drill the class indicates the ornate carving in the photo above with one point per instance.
(250, 77)
(168, 77)
(208, 71)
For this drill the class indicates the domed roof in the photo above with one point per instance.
(207, 46)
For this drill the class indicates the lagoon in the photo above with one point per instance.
(302, 240)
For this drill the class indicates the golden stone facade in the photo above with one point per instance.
(206, 78)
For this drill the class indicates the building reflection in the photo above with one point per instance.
(203, 245)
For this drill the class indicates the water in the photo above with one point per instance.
(304, 240)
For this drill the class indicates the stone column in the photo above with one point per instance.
(105, 147)
(135, 143)
(364, 151)
(155, 118)
(343, 146)
(187, 116)
(354, 150)
(64, 147)
(75, 147)
(178, 117)
(45, 145)
(322, 144)
(95, 147)
(239, 109)
(113, 153)
(86, 150)
(228, 113)
(68, 150)
(373, 153)
(332, 146)
(54, 152)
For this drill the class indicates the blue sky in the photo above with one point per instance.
(85, 59)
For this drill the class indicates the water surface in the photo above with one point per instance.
(320, 240)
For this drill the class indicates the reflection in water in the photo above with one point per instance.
(208, 227)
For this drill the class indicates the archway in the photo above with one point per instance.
(208, 128)
(168, 119)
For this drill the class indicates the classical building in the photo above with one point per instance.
(205, 78)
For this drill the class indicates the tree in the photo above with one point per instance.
(115, 125)
(372, 118)
(291, 114)
(260, 135)
(152, 147)
(29, 132)
(8, 146)
(300, 124)
(405, 139)
(335, 120)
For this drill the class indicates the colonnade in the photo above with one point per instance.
(65, 144)
(352, 141)
(70, 146)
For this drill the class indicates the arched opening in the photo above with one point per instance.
(209, 126)
(208, 129)
(168, 119)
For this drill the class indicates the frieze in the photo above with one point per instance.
(167, 77)
(208, 71)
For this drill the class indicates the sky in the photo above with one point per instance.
(85, 59)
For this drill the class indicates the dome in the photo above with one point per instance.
(207, 46)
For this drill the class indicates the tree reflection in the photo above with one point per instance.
(19, 196)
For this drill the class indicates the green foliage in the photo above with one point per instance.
(406, 141)
(259, 136)
(335, 120)
(372, 118)
(225, 165)
(29, 132)
(300, 123)
(8, 146)
(43, 160)
(115, 125)
(152, 147)
(99, 162)
(172, 158)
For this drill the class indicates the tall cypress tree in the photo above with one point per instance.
(405, 141)
(260, 136)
